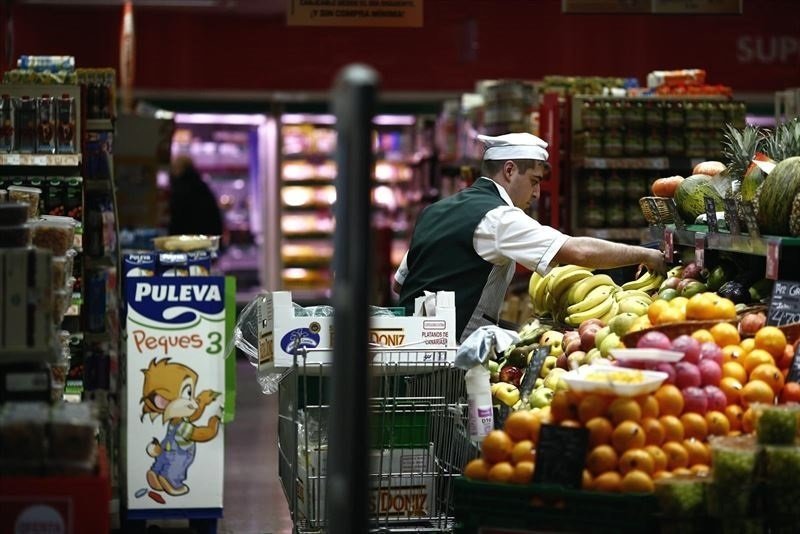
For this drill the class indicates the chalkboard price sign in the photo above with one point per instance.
(794, 370)
(784, 308)
(560, 455)
(711, 215)
(533, 370)
(732, 216)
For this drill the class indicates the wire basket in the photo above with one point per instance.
(663, 216)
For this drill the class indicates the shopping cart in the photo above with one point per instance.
(418, 439)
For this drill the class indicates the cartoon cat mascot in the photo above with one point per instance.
(169, 391)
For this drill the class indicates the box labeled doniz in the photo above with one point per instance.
(401, 484)
(281, 332)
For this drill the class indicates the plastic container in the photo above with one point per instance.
(734, 459)
(613, 380)
(15, 236)
(13, 213)
(646, 355)
(28, 195)
(62, 272)
(54, 233)
(4, 196)
(479, 403)
(73, 448)
(776, 425)
(61, 302)
(682, 496)
(185, 243)
(23, 438)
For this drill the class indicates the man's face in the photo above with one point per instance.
(523, 188)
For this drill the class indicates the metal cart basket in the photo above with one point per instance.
(418, 439)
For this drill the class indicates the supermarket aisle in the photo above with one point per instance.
(254, 500)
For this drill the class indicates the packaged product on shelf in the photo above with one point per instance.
(54, 196)
(72, 447)
(612, 143)
(95, 291)
(46, 63)
(65, 125)
(657, 78)
(13, 213)
(28, 195)
(60, 274)
(654, 143)
(62, 298)
(636, 186)
(613, 114)
(45, 125)
(54, 233)
(25, 122)
(674, 116)
(4, 196)
(696, 144)
(633, 142)
(675, 144)
(6, 124)
(199, 263)
(654, 114)
(136, 264)
(593, 144)
(172, 264)
(23, 438)
(615, 186)
(594, 216)
(591, 115)
(716, 115)
(595, 185)
(15, 236)
(98, 156)
(633, 114)
(184, 243)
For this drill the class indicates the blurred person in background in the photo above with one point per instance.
(193, 207)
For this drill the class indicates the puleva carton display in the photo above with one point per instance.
(280, 332)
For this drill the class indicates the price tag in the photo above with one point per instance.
(750, 220)
(13, 159)
(794, 369)
(676, 217)
(784, 306)
(669, 244)
(773, 258)
(40, 160)
(732, 216)
(700, 249)
(711, 215)
(560, 455)
(654, 209)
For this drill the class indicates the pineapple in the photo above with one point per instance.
(739, 149)
(784, 141)
(794, 217)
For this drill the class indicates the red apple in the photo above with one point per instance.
(689, 346)
(710, 372)
(695, 400)
(687, 375)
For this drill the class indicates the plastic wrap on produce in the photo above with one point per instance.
(481, 344)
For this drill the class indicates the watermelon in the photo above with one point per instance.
(690, 196)
(777, 195)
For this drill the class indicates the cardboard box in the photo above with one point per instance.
(279, 330)
(401, 482)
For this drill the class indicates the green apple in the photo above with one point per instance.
(591, 356)
(555, 340)
(541, 397)
(632, 305)
(622, 323)
(601, 335)
(494, 370)
(555, 380)
(550, 363)
(508, 394)
(575, 359)
(611, 341)
(538, 383)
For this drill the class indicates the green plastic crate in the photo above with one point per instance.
(397, 424)
(550, 508)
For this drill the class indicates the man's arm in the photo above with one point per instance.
(601, 254)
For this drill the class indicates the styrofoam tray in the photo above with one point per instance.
(577, 380)
(647, 355)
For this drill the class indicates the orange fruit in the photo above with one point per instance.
(673, 428)
(700, 470)
(523, 451)
(732, 389)
(734, 369)
(655, 310)
(501, 472)
(757, 391)
(662, 474)
(536, 426)
(518, 425)
(564, 406)
(755, 358)
(637, 481)
(676, 455)
(610, 481)
(771, 339)
(600, 430)
(671, 314)
(748, 344)
(725, 309)
(694, 426)
(732, 353)
(624, 409)
(769, 374)
(682, 472)
(653, 431)
(586, 482)
(698, 452)
(658, 456)
(725, 334)
(679, 303)
(496, 447)
(702, 335)
(786, 359)
(627, 435)
(591, 406)
(601, 459)
(523, 473)
(636, 459)
(790, 393)
(718, 424)
(670, 400)
(700, 306)
(649, 406)
(477, 469)
(749, 421)
(734, 413)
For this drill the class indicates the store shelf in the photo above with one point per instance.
(307, 208)
(616, 234)
(310, 182)
(299, 236)
(656, 164)
(307, 264)
(307, 156)
(724, 241)
(40, 160)
(26, 355)
(99, 125)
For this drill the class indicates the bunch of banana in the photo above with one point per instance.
(633, 301)
(648, 283)
(549, 293)
(591, 298)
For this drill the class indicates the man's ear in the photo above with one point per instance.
(508, 169)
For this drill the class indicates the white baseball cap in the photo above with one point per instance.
(514, 146)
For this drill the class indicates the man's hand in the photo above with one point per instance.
(655, 262)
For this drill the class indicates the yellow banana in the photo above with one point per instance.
(587, 284)
(532, 285)
(598, 311)
(567, 279)
(595, 297)
(613, 312)
(638, 293)
(654, 284)
(639, 283)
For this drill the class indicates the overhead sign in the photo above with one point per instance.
(657, 7)
(386, 13)
(606, 6)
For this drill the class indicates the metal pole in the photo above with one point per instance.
(354, 104)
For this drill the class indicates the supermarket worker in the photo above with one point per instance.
(470, 242)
